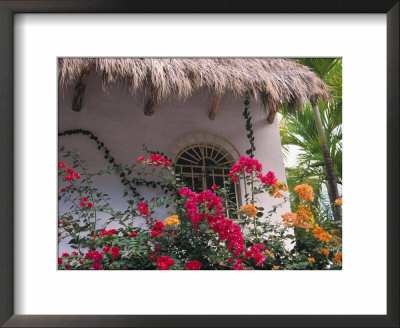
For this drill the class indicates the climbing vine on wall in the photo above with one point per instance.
(125, 172)
(249, 126)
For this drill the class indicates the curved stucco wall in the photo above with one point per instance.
(117, 118)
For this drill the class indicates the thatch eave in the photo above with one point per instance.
(276, 81)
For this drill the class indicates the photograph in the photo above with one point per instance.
(199, 163)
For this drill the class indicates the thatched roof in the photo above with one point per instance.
(275, 81)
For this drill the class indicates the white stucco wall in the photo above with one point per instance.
(118, 120)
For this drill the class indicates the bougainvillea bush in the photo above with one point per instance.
(197, 234)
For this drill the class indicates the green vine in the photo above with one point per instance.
(249, 126)
(118, 166)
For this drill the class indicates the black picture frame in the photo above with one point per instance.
(7, 198)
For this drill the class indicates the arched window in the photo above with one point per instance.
(203, 162)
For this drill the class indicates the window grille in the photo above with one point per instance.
(204, 164)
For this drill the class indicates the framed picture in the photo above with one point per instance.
(56, 51)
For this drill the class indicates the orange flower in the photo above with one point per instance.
(304, 212)
(305, 192)
(324, 251)
(338, 258)
(288, 218)
(285, 188)
(249, 210)
(296, 220)
(269, 253)
(275, 267)
(172, 220)
(311, 259)
(320, 234)
(276, 192)
(338, 201)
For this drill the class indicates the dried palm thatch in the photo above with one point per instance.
(275, 81)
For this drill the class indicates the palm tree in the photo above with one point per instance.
(317, 132)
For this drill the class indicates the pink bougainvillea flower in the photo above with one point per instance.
(115, 252)
(255, 252)
(225, 228)
(143, 209)
(164, 262)
(269, 179)
(245, 164)
(96, 257)
(140, 159)
(96, 266)
(238, 265)
(153, 256)
(193, 265)
(157, 229)
(107, 233)
(155, 160)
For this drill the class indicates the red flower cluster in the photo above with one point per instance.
(133, 234)
(193, 265)
(225, 228)
(269, 179)
(157, 229)
(96, 257)
(256, 254)
(71, 174)
(85, 202)
(61, 165)
(164, 262)
(153, 256)
(60, 261)
(107, 232)
(114, 251)
(238, 265)
(154, 159)
(143, 209)
(245, 164)
(64, 255)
